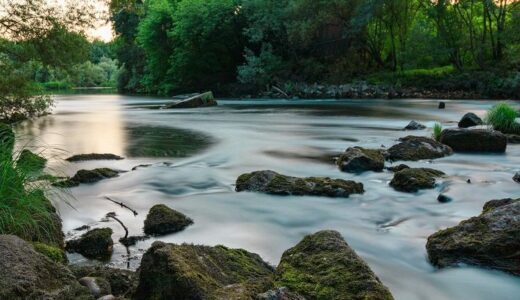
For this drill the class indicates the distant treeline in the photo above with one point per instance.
(168, 46)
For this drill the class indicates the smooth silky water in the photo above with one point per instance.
(196, 155)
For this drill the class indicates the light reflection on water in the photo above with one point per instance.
(208, 148)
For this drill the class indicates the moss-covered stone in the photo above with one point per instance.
(122, 282)
(491, 239)
(94, 156)
(88, 176)
(171, 271)
(96, 243)
(271, 182)
(413, 148)
(413, 179)
(323, 266)
(199, 100)
(54, 253)
(358, 160)
(30, 162)
(163, 220)
(398, 168)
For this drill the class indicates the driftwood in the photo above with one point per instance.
(122, 205)
(113, 216)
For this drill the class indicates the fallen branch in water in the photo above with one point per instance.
(113, 216)
(122, 205)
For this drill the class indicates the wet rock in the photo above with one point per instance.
(279, 294)
(444, 199)
(516, 178)
(271, 182)
(122, 282)
(442, 105)
(27, 274)
(193, 101)
(30, 162)
(513, 138)
(415, 148)
(398, 168)
(163, 220)
(414, 125)
(96, 243)
(358, 160)
(88, 176)
(132, 240)
(81, 228)
(185, 271)
(470, 120)
(474, 140)
(323, 266)
(94, 156)
(491, 239)
(413, 179)
(97, 286)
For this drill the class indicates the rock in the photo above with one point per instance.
(470, 120)
(97, 286)
(27, 274)
(122, 282)
(107, 297)
(444, 199)
(94, 156)
(513, 138)
(96, 243)
(81, 228)
(54, 253)
(323, 266)
(30, 162)
(185, 271)
(358, 160)
(88, 176)
(442, 105)
(414, 125)
(163, 220)
(271, 182)
(193, 101)
(398, 168)
(279, 294)
(491, 239)
(132, 240)
(474, 140)
(516, 178)
(415, 148)
(413, 179)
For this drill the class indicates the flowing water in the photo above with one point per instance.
(195, 155)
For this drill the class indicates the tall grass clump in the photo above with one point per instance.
(24, 209)
(437, 130)
(502, 117)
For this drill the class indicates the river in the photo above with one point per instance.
(196, 155)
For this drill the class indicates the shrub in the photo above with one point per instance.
(437, 130)
(503, 118)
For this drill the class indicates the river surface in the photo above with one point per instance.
(195, 156)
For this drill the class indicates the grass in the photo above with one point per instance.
(437, 130)
(503, 118)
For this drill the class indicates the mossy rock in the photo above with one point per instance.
(7, 139)
(30, 162)
(98, 286)
(491, 240)
(271, 182)
(54, 253)
(122, 282)
(95, 244)
(163, 220)
(185, 271)
(88, 176)
(323, 266)
(412, 180)
(474, 140)
(94, 156)
(358, 160)
(414, 148)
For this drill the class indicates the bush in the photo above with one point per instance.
(437, 130)
(503, 118)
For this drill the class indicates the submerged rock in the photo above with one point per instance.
(444, 199)
(414, 125)
(323, 266)
(163, 220)
(516, 178)
(470, 120)
(271, 182)
(96, 243)
(358, 160)
(88, 176)
(513, 138)
(94, 156)
(30, 162)
(185, 271)
(474, 140)
(413, 179)
(132, 240)
(491, 239)
(442, 105)
(27, 274)
(122, 282)
(193, 101)
(415, 148)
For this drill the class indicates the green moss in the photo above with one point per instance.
(163, 220)
(242, 180)
(54, 253)
(96, 244)
(413, 179)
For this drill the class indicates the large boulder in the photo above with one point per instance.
(93, 156)
(27, 274)
(358, 160)
(413, 179)
(96, 243)
(470, 120)
(491, 239)
(474, 140)
(195, 272)
(415, 148)
(193, 101)
(88, 176)
(163, 220)
(323, 266)
(271, 182)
